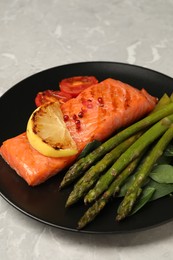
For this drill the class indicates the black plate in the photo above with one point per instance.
(45, 203)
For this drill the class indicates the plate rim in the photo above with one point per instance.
(88, 62)
(67, 228)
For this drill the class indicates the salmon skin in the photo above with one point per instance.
(94, 114)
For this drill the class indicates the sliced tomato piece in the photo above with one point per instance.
(75, 85)
(62, 96)
(51, 95)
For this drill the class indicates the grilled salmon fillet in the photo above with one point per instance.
(94, 114)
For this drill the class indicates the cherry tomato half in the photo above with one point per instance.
(75, 85)
(51, 95)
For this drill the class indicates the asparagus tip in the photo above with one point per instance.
(68, 204)
(119, 217)
(80, 226)
(62, 185)
(70, 201)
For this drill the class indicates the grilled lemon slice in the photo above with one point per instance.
(47, 132)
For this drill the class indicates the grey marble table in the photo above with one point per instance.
(39, 34)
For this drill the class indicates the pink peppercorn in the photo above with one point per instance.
(77, 122)
(80, 114)
(66, 118)
(74, 117)
(100, 101)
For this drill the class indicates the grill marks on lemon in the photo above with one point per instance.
(47, 132)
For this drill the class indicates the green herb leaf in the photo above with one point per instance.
(144, 198)
(89, 148)
(161, 189)
(162, 173)
(127, 184)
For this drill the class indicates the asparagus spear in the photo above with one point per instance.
(129, 155)
(135, 188)
(91, 176)
(114, 188)
(78, 168)
(164, 100)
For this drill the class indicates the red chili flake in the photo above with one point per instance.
(80, 114)
(77, 122)
(66, 118)
(100, 100)
(74, 117)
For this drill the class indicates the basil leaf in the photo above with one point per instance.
(162, 173)
(89, 148)
(144, 198)
(127, 184)
(161, 189)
